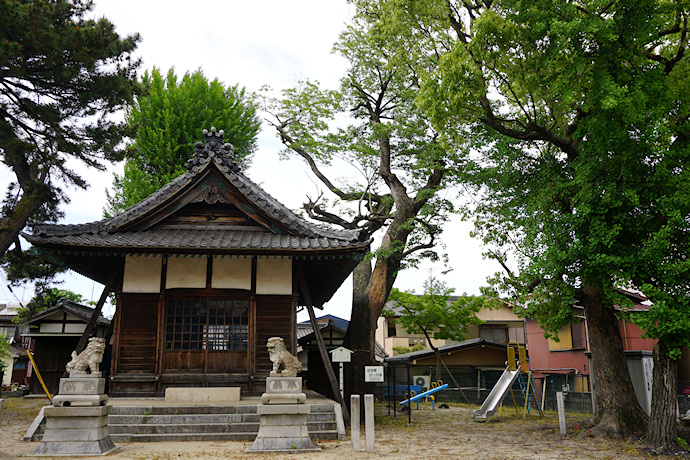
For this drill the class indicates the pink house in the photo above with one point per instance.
(567, 361)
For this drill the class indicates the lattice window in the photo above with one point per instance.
(207, 324)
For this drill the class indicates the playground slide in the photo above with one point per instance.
(493, 401)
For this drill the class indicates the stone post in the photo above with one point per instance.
(354, 422)
(77, 421)
(560, 403)
(369, 422)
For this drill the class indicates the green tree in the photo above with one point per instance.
(168, 119)
(45, 299)
(373, 124)
(578, 112)
(4, 353)
(404, 350)
(61, 76)
(434, 315)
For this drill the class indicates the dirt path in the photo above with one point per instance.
(440, 434)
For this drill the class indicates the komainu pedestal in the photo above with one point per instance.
(77, 422)
(283, 418)
(75, 431)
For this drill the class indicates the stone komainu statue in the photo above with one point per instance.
(89, 359)
(280, 357)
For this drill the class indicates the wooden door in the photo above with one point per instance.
(206, 334)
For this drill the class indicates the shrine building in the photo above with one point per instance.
(204, 271)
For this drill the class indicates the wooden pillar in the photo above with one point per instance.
(109, 285)
(322, 347)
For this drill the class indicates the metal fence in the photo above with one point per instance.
(475, 386)
(472, 386)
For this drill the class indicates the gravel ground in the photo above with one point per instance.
(438, 434)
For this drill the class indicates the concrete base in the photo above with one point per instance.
(75, 431)
(83, 390)
(214, 394)
(80, 400)
(74, 449)
(283, 398)
(283, 428)
(283, 384)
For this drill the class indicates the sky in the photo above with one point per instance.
(257, 43)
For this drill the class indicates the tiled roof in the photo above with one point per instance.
(69, 306)
(337, 321)
(304, 329)
(445, 349)
(196, 239)
(212, 153)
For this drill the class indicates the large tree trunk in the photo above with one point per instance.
(661, 432)
(361, 334)
(617, 412)
(16, 217)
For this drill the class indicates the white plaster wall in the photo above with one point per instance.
(142, 274)
(274, 276)
(73, 328)
(9, 364)
(50, 327)
(232, 273)
(186, 272)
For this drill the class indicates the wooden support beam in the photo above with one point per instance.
(110, 284)
(322, 347)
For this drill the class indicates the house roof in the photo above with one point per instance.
(9, 311)
(338, 322)
(69, 306)
(212, 209)
(445, 349)
(19, 352)
(305, 332)
(135, 227)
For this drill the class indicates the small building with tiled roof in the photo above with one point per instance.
(55, 333)
(333, 331)
(204, 270)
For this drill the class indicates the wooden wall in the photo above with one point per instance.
(134, 344)
(141, 366)
(52, 355)
(275, 317)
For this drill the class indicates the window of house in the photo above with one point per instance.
(207, 324)
(7, 331)
(391, 328)
(494, 334)
(577, 332)
(572, 337)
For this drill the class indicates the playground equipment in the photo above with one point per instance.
(435, 387)
(516, 366)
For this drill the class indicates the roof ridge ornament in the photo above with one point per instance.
(213, 148)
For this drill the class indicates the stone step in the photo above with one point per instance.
(201, 423)
(201, 437)
(203, 418)
(184, 428)
(315, 436)
(179, 410)
(164, 428)
(190, 410)
(181, 419)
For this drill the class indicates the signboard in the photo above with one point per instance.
(341, 355)
(373, 373)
